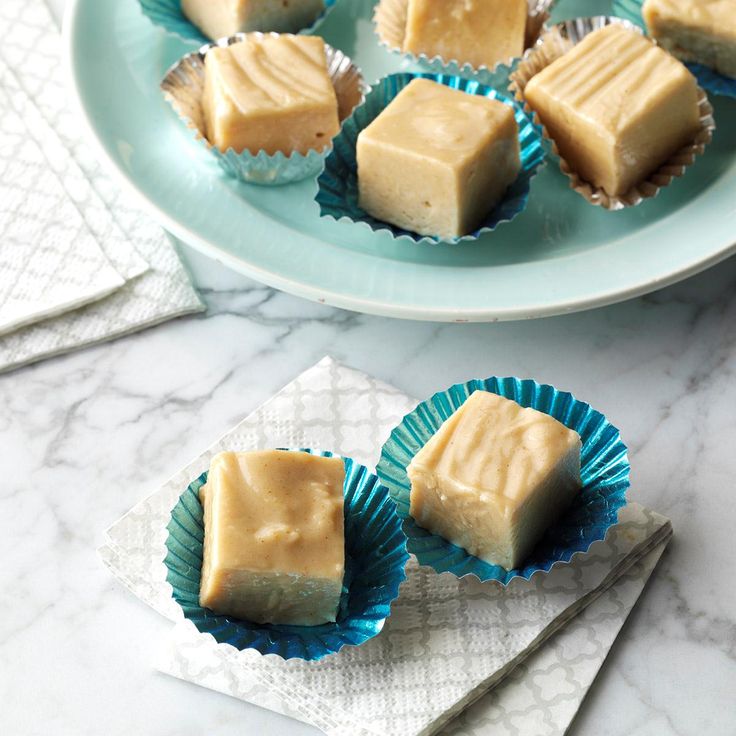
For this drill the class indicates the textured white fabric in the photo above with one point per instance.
(447, 642)
(57, 197)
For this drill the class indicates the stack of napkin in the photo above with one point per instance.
(456, 657)
(79, 263)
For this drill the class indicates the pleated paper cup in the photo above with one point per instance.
(375, 558)
(709, 79)
(168, 15)
(553, 44)
(604, 473)
(183, 88)
(337, 194)
(390, 18)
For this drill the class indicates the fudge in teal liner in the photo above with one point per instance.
(709, 79)
(375, 558)
(604, 475)
(338, 195)
(169, 15)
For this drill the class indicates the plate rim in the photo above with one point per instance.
(377, 307)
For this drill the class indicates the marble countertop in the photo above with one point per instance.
(84, 436)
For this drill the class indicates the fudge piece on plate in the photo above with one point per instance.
(696, 30)
(476, 32)
(270, 93)
(617, 106)
(221, 18)
(437, 160)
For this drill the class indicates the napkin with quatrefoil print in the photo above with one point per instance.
(456, 657)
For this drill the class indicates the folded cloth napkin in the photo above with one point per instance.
(449, 643)
(69, 236)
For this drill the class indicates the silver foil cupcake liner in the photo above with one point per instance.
(555, 42)
(390, 18)
(183, 86)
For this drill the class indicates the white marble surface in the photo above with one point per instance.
(84, 436)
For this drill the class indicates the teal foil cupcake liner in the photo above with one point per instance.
(183, 85)
(168, 15)
(708, 79)
(337, 194)
(375, 557)
(389, 21)
(605, 477)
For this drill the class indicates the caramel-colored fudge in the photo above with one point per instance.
(476, 32)
(274, 541)
(617, 106)
(695, 30)
(270, 93)
(494, 477)
(437, 160)
(222, 18)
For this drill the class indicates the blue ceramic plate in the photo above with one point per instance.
(561, 254)
(168, 15)
(337, 195)
(375, 557)
(717, 84)
(605, 476)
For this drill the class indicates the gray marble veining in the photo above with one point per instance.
(84, 436)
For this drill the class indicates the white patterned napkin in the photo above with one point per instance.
(447, 644)
(49, 261)
(143, 276)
